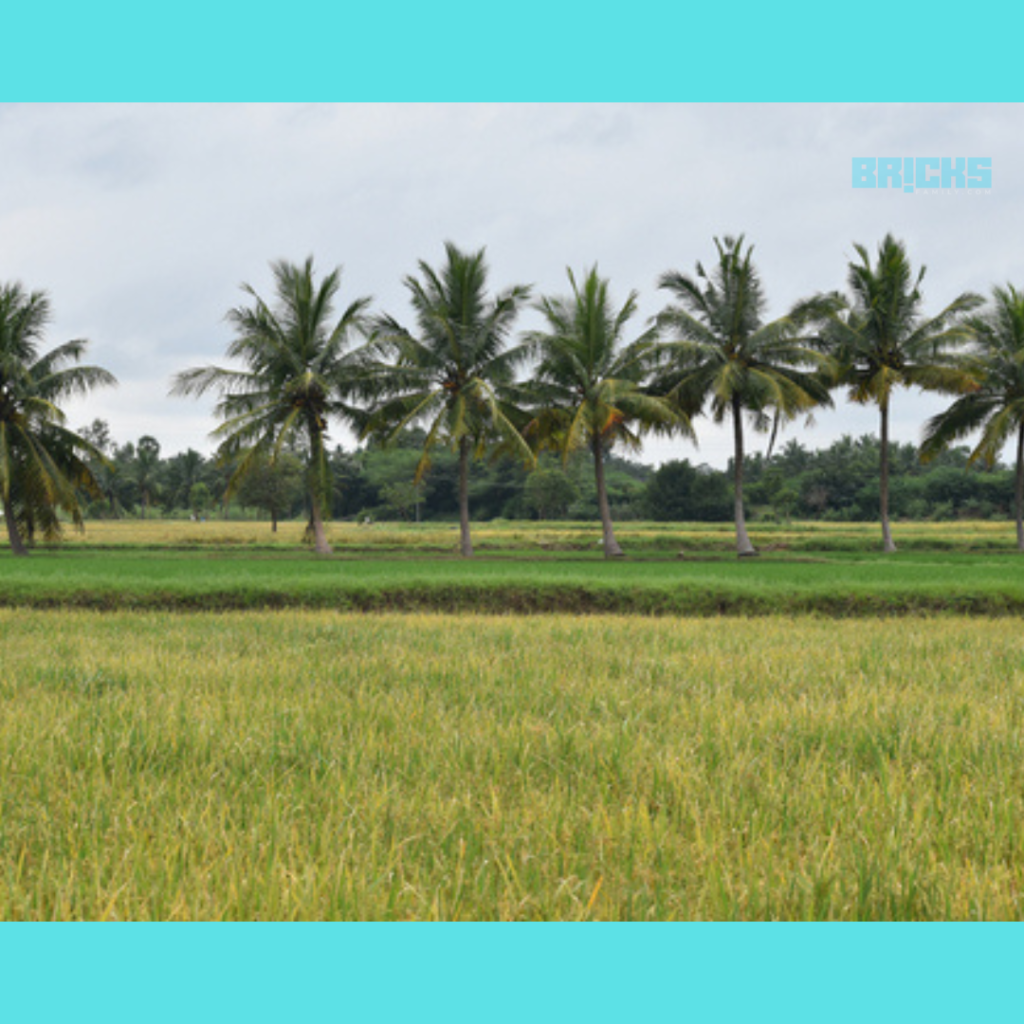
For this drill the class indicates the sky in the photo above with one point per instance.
(142, 221)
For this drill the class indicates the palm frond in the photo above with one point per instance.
(298, 370)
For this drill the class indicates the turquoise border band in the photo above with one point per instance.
(534, 52)
(525, 51)
(513, 973)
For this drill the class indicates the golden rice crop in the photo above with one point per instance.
(538, 537)
(316, 765)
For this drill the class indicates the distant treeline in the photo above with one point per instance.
(838, 483)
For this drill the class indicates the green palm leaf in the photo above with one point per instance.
(300, 372)
(721, 353)
(454, 373)
(44, 466)
(588, 385)
(881, 341)
(992, 375)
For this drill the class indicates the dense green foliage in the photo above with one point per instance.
(838, 483)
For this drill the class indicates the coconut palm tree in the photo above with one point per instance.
(881, 340)
(43, 465)
(453, 375)
(996, 405)
(587, 389)
(722, 353)
(299, 373)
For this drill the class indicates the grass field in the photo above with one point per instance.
(317, 765)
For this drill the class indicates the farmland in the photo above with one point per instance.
(320, 765)
(834, 570)
(206, 721)
(539, 538)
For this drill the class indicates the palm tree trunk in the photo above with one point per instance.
(320, 545)
(17, 544)
(1019, 495)
(744, 548)
(887, 545)
(465, 542)
(611, 545)
(316, 504)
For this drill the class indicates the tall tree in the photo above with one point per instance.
(98, 435)
(43, 465)
(298, 374)
(184, 471)
(273, 486)
(451, 376)
(995, 406)
(722, 353)
(146, 470)
(587, 388)
(103, 469)
(881, 340)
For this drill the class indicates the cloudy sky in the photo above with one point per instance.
(142, 221)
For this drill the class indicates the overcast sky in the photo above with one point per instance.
(142, 221)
